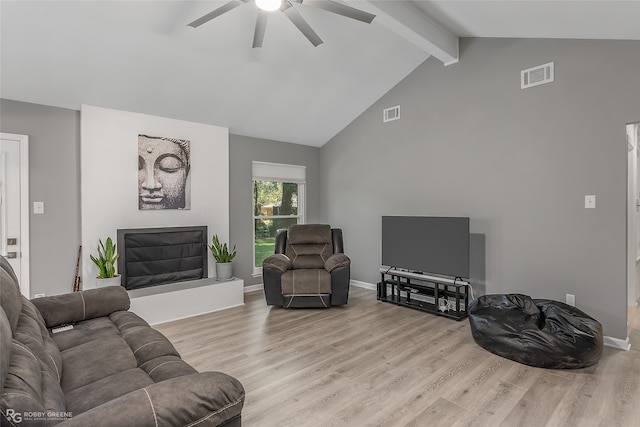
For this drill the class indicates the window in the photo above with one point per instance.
(278, 202)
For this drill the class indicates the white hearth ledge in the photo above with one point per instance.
(174, 301)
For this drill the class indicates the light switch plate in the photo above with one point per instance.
(590, 202)
(38, 207)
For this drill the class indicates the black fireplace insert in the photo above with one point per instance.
(157, 256)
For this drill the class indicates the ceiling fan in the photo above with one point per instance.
(286, 6)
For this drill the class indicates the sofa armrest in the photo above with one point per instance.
(207, 399)
(336, 261)
(279, 262)
(78, 306)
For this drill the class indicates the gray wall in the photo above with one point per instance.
(471, 143)
(54, 158)
(242, 151)
(54, 178)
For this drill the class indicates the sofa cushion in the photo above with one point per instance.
(148, 344)
(89, 330)
(166, 367)
(34, 335)
(94, 360)
(79, 306)
(204, 399)
(122, 348)
(105, 389)
(125, 320)
(32, 378)
(10, 296)
(29, 388)
(5, 346)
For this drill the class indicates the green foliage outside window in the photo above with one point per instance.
(272, 199)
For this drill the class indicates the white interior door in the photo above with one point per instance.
(633, 206)
(635, 137)
(14, 205)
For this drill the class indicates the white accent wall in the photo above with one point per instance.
(109, 178)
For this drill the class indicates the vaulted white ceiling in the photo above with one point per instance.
(141, 56)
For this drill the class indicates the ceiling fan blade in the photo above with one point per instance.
(219, 11)
(261, 25)
(344, 10)
(297, 19)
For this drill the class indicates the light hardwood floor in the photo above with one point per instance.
(376, 364)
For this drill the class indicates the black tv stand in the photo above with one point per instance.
(436, 295)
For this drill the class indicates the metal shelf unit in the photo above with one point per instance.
(425, 293)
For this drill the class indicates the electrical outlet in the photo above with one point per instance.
(571, 299)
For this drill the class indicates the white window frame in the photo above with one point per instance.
(277, 172)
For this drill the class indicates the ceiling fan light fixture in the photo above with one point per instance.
(269, 5)
(287, 8)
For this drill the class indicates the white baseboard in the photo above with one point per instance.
(365, 285)
(617, 343)
(608, 341)
(251, 288)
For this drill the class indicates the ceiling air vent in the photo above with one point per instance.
(536, 76)
(392, 113)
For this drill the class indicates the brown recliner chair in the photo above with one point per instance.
(308, 269)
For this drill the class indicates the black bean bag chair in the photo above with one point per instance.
(536, 332)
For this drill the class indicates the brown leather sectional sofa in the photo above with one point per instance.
(110, 368)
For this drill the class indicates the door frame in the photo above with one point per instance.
(23, 141)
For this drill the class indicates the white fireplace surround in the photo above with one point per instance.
(109, 197)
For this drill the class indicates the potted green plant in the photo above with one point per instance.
(106, 262)
(223, 257)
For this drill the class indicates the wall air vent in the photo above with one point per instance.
(392, 113)
(536, 76)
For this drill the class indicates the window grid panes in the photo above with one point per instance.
(276, 206)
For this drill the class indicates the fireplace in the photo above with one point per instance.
(158, 256)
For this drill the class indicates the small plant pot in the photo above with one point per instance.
(224, 271)
(112, 281)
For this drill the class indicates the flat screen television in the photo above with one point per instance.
(427, 244)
